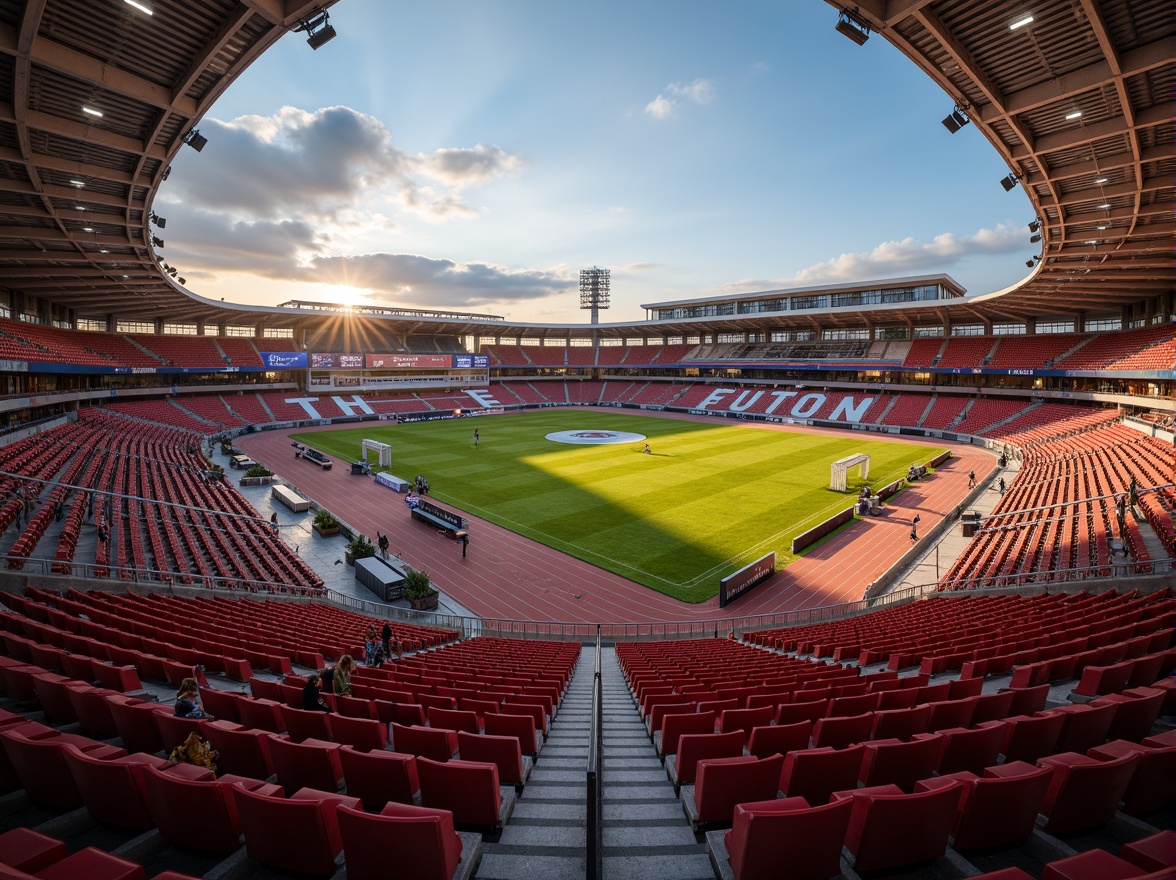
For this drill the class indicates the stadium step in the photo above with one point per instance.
(545, 835)
(646, 834)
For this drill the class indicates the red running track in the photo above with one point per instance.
(511, 577)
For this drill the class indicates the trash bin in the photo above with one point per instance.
(875, 504)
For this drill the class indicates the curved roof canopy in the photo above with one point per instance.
(1079, 102)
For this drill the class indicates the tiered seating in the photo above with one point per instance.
(1055, 419)
(249, 407)
(398, 403)
(183, 351)
(1073, 476)
(1149, 348)
(586, 393)
(986, 412)
(164, 413)
(907, 410)
(52, 344)
(213, 410)
(923, 353)
(657, 394)
(674, 354)
(506, 355)
(276, 343)
(966, 351)
(284, 412)
(1034, 352)
(240, 351)
(581, 356)
(168, 542)
(944, 411)
(643, 355)
(612, 355)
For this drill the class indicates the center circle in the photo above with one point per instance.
(594, 438)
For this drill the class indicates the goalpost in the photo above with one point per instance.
(839, 473)
(382, 449)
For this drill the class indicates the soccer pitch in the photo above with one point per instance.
(708, 500)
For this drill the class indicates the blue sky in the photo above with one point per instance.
(475, 155)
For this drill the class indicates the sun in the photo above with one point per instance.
(345, 294)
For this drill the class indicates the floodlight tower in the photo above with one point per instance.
(594, 290)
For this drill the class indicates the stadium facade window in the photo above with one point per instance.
(611, 343)
(29, 318)
(94, 325)
(277, 333)
(1095, 324)
(1138, 322)
(238, 330)
(63, 325)
(967, 330)
(817, 301)
(529, 341)
(928, 332)
(756, 306)
(1055, 326)
(729, 337)
(134, 327)
(1161, 318)
(693, 340)
(672, 340)
(891, 333)
(211, 330)
(180, 329)
(845, 334)
(581, 343)
(1008, 329)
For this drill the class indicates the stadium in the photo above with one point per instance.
(889, 560)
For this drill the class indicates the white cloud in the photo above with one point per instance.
(313, 165)
(421, 280)
(701, 91)
(893, 258)
(660, 107)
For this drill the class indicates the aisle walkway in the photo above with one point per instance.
(646, 835)
(544, 839)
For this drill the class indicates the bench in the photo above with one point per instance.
(446, 520)
(313, 455)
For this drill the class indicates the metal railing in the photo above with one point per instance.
(563, 631)
(594, 783)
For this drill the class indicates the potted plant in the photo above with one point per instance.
(359, 547)
(258, 475)
(325, 524)
(419, 591)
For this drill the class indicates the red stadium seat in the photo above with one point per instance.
(768, 834)
(423, 839)
(378, 777)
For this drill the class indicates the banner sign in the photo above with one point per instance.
(408, 361)
(735, 585)
(284, 360)
(471, 361)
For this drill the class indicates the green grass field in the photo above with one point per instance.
(710, 499)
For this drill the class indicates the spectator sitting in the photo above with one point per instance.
(380, 657)
(188, 704)
(342, 679)
(369, 649)
(312, 700)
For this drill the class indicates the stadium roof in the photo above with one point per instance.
(1079, 102)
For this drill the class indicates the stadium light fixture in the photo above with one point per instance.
(142, 7)
(1104, 226)
(1034, 225)
(157, 241)
(1101, 180)
(1034, 261)
(78, 183)
(182, 281)
(87, 229)
(92, 111)
(1105, 206)
(1036, 237)
(195, 140)
(1073, 114)
(317, 28)
(955, 120)
(849, 25)
(1020, 21)
(161, 222)
(1008, 182)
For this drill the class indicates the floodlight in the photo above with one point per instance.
(1034, 225)
(955, 120)
(157, 241)
(317, 28)
(195, 140)
(1036, 237)
(850, 26)
(1021, 21)
(138, 4)
(1009, 182)
(161, 222)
